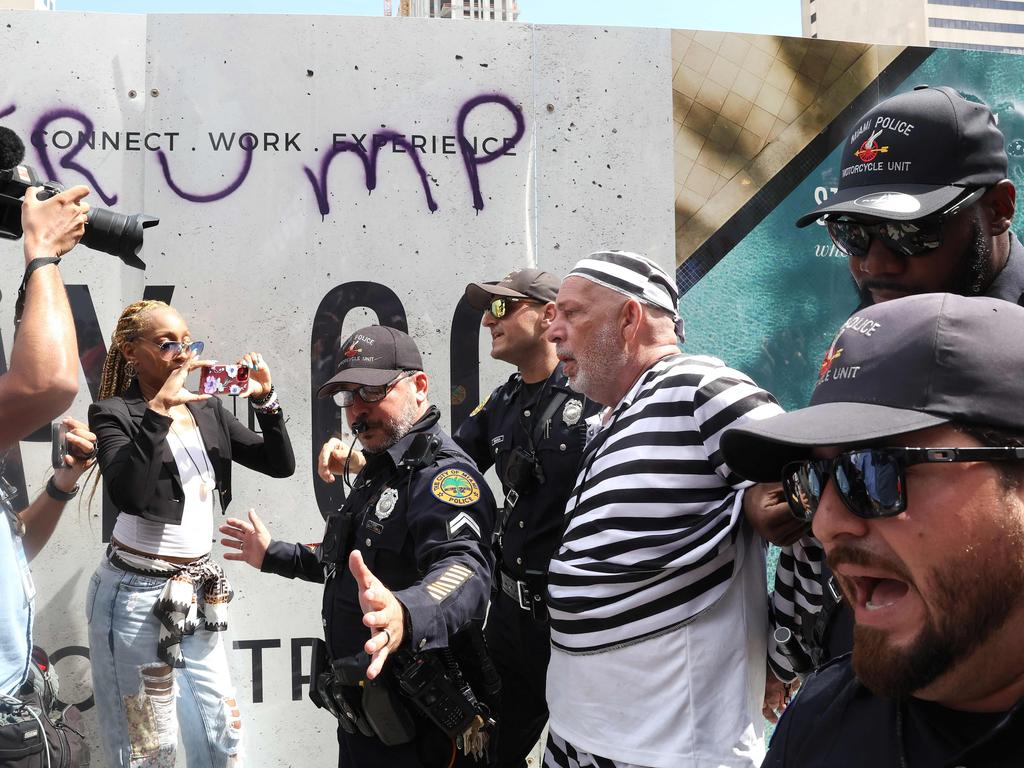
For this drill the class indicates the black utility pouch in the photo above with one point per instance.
(522, 471)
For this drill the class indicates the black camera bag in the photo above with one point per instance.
(41, 731)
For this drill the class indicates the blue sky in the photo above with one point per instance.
(781, 17)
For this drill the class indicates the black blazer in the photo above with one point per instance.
(139, 472)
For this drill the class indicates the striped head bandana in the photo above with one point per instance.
(634, 276)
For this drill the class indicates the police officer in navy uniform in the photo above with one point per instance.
(531, 429)
(415, 567)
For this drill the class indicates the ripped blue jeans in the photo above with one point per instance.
(145, 707)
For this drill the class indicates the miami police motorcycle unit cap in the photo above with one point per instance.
(914, 154)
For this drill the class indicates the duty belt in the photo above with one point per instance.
(527, 598)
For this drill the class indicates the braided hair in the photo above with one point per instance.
(116, 373)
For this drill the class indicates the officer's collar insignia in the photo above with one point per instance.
(571, 412)
(455, 487)
(386, 503)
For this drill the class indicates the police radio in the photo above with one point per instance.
(523, 472)
(438, 690)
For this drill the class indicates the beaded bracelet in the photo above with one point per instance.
(262, 401)
(269, 406)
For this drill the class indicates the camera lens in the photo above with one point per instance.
(117, 234)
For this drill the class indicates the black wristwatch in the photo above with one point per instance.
(57, 494)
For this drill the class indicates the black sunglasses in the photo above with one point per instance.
(368, 393)
(908, 238)
(872, 482)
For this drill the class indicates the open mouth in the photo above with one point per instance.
(875, 599)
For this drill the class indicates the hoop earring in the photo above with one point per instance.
(129, 369)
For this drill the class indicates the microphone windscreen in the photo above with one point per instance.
(12, 150)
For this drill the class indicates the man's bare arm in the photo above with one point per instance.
(42, 380)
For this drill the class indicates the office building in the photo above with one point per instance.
(488, 10)
(988, 25)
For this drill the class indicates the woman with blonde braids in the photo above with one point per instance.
(157, 601)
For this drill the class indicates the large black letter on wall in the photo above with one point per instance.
(465, 361)
(324, 353)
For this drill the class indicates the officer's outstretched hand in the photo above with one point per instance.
(251, 539)
(332, 460)
(382, 613)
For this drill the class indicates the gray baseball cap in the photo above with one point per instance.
(894, 368)
(533, 284)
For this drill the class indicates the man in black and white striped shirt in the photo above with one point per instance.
(657, 592)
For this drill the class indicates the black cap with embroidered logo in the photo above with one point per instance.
(533, 284)
(373, 356)
(894, 368)
(914, 154)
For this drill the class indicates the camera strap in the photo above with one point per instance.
(32, 266)
(545, 416)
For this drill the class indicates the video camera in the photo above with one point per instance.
(115, 233)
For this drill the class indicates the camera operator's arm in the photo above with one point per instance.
(43, 377)
(42, 515)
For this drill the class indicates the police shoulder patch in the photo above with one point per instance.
(455, 487)
(480, 407)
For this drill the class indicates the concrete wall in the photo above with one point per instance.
(259, 235)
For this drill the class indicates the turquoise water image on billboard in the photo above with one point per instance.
(772, 304)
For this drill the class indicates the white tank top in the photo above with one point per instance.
(193, 537)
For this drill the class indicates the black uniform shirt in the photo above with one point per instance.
(424, 533)
(836, 722)
(506, 421)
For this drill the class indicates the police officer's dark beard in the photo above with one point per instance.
(974, 278)
(397, 428)
(969, 600)
(977, 273)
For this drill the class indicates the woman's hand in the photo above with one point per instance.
(259, 375)
(80, 456)
(173, 391)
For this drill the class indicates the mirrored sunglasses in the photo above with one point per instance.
(504, 305)
(872, 482)
(171, 349)
(368, 393)
(907, 238)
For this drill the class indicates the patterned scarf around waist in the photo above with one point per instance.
(194, 592)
